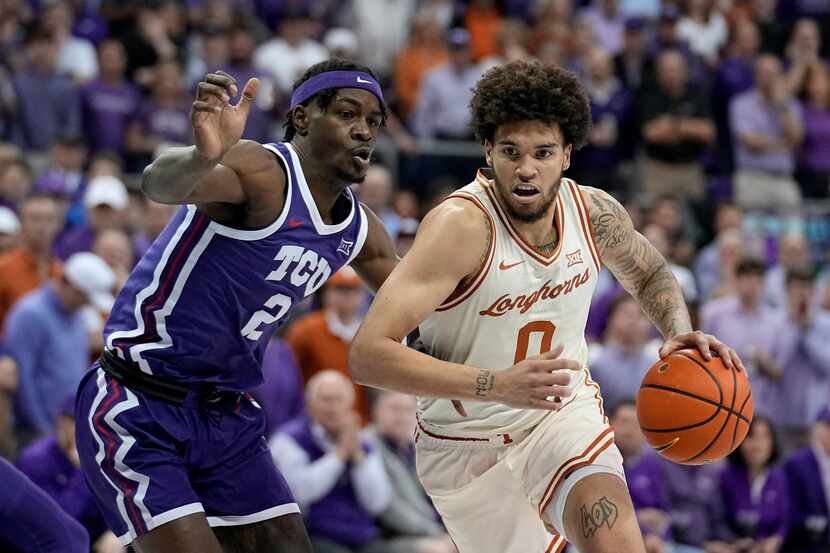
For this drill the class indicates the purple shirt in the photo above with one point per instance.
(646, 483)
(281, 393)
(619, 373)
(607, 32)
(31, 521)
(750, 113)
(106, 112)
(754, 509)
(166, 124)
(816, 147)
(794, 400)
(78, 239)
(258, 125)
(47, 466)
(810, 508)
(47, 106)
(692, 492)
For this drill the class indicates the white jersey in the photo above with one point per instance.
(520, 304)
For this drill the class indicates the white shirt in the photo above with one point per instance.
(310, 482)
(286, 62)
(77, 57)
(704, 39)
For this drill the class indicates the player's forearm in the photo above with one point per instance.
(387, 364)
(173, 176)
(661, 299)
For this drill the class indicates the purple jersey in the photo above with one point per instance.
(203, 302)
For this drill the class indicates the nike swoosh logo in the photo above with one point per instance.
(504, 267)
(364, 81)
(294, 223)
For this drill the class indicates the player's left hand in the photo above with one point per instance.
(707, 345)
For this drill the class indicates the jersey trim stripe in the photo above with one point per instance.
(451, 438)
(459, 296)
(587, 229)
(556, 544)
(584, 223)
(505, 220)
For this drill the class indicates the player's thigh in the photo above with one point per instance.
(189, 534)
(284, 534)
(599, 516)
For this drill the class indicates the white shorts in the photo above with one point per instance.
(506, 494)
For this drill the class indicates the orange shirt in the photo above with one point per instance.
(18, 276)
(317, 349)
(412, 64)
(483, 26)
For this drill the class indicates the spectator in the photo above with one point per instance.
(793, 400)
(802, 53)
(105, 201)
(808, 479)
(694, 511)
(793, 253)
(211, 49)
(633, 66)
(114, 247)
(405, 236)
(9, 230)
(30, 264)
(676, 128)
(728, 216)
(163, 120)
(52, 463)
(644, 477)
(510, 44)
(47, 103)
(341, 43)
(666, 37)
(109, 102)
(773, 29)
(31, 521)
(813, 172)
(704, 29)
(608, 23)
(68, 157)
(754, 492)
(335, 472)
(658, 236)
(767, 130)
(743, 321)
(381, 27)
(482, 19)
(156, 217)
(281, 392)
(731, 246)
(291, 51)
(240, 66)
(320, 340)
(733, 76)
(596, 164)
(76, 56)
(443, 110)
(410, 519)
(47, 338)
(15, 183)
(425, 51)
(150, 38)
(376, 192)
(621, 362)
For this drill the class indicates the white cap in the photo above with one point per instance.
(106, 190)
(91, 275)
(9, 223)
(340, 39)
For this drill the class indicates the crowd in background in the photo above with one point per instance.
(711, 125)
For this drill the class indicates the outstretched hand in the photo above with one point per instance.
(217, 124)
(707, 345)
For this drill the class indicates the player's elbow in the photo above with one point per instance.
(363, 355)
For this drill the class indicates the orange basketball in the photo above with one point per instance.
(693, 411)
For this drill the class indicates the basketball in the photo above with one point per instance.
(694, 411)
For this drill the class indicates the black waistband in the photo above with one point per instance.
(134, 378)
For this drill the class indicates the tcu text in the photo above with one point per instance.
(303, 268)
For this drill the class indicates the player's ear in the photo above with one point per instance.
(488, 152)
(566, 162)
(300, 118)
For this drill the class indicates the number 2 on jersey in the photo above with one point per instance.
(547, 329)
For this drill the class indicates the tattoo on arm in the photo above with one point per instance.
(637, 265)
(484, 382)
(602, 513)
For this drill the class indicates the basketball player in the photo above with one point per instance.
(167, 440)
(500, 271)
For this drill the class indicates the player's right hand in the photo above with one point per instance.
(217, 124)
(537, 382)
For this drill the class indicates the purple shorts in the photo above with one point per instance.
(149, 461)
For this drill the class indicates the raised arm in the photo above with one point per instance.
(646, 275)
(451, 244)
(218, 168)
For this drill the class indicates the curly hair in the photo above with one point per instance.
(325, 97)
(530, 91)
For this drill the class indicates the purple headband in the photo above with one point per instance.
(335, 79)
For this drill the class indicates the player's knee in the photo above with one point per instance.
(597, 504)
(285, 534)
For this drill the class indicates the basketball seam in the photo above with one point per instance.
(689, 394)
(729, 411)
(741, 410)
